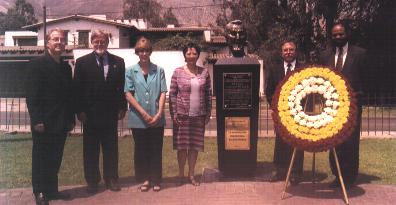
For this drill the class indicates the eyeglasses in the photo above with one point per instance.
(57, 39)
(99, 42)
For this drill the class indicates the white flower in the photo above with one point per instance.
(321, 89)
(293, 92)
(299, 87)
(304, 82)
(329, 119)
(315, 88)
(320, 81)
(303, 122)
(331, 89)
(334, 113)
(293, 112)
(335, 95)
(312, 80)
(327, 83)
(297, 118)
(317, 124)
(299, 108)
(291, 104)
(328, 110)
(308, 89)
(329, 103)
(297, 102)
(291, 98)
(310, 124)
(327, 95)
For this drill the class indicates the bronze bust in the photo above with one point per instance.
(236, 38)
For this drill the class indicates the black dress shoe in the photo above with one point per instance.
(334, 184)
(295, 179)
(113, 185)
(41, 199)
(58, 196)
(92, 188)
(276, 176)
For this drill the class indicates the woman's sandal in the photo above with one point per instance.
(157, 188)
(193, 181)
(144, 187)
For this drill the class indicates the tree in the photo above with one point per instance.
(176, 42)
(170, 18)
(21, 14)
(309, 22)
(149, 10)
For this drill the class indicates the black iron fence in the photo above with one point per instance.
(379, 118)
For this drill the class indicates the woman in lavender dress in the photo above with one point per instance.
(190, 106)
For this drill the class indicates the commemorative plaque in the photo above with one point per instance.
(237, 133)
(237, 90)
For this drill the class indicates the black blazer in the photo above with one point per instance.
(353, 65)
(273, 75)
(100, 99)
(49, 94)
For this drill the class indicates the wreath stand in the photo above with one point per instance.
(313, 162)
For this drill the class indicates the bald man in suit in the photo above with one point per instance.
(350, 61)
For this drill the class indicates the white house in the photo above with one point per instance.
(79, 29)
(20, 38)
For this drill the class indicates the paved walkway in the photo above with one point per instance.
(217, 191)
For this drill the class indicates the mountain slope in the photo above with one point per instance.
(187, 12)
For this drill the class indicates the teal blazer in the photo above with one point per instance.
(147, 94)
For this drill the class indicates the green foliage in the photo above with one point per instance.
(149, 10)
(176, 42)
(269, 22)
(21, 14)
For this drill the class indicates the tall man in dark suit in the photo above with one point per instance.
(349, 60)
(49, 100)
(100, 103)
(283, 151)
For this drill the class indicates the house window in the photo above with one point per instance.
(25, 41)
(66, 33)
(83, 38)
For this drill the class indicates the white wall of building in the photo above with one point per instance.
(73, 26)
(169, 60)
(9, 36)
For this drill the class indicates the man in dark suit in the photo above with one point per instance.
(283, 151)
(100, 103)
(349, 60)
(49, 101)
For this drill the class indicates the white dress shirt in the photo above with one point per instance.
(344, 54)
(293, 65)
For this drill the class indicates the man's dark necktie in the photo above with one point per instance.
(339, 59)
(101, 66)
(288, 68)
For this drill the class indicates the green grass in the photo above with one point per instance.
(377, 160)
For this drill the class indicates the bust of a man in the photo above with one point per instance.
(236, 38)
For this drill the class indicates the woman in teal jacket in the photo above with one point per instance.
(145, 90)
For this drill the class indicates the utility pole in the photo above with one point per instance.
(45, 26)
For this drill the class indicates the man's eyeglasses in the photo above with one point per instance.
(57, 39)
(99, 42)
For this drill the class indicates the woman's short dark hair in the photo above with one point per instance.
(191, 45)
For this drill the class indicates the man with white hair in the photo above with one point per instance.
(100, 103)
